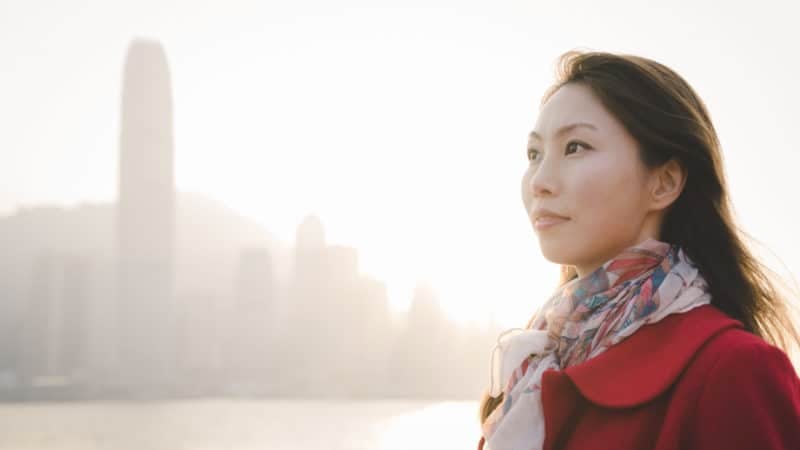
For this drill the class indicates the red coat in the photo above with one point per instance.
(696, 380)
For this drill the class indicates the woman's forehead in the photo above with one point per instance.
(571, 107)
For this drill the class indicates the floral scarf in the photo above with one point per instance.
(583, 318)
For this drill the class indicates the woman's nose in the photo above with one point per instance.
(543, 181)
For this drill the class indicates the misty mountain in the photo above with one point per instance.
(210, 237)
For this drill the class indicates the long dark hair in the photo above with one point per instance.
(668, 120)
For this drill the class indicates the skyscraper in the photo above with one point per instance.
(145, 220)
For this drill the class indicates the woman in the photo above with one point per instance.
(665, 333)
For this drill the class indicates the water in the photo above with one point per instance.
(217, 424)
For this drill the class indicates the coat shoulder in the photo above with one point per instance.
(748, 394)
(736, 347)
(742, 360)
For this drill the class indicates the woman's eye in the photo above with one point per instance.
(573, 145)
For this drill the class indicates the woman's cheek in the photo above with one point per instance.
(598, 207)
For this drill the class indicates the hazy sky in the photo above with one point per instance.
(402, 124)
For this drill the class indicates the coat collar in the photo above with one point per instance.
(645, 364)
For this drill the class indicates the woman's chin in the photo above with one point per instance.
(554, 251)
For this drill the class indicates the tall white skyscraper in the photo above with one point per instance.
(146, 220)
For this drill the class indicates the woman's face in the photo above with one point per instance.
(585, 166)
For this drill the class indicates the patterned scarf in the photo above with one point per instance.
(583, 318)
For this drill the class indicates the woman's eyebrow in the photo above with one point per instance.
(564, 129)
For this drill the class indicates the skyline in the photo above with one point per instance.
(403, 128)
(119, 301)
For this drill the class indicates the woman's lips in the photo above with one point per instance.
(545, 222)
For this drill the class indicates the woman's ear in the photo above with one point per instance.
(668, 182)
